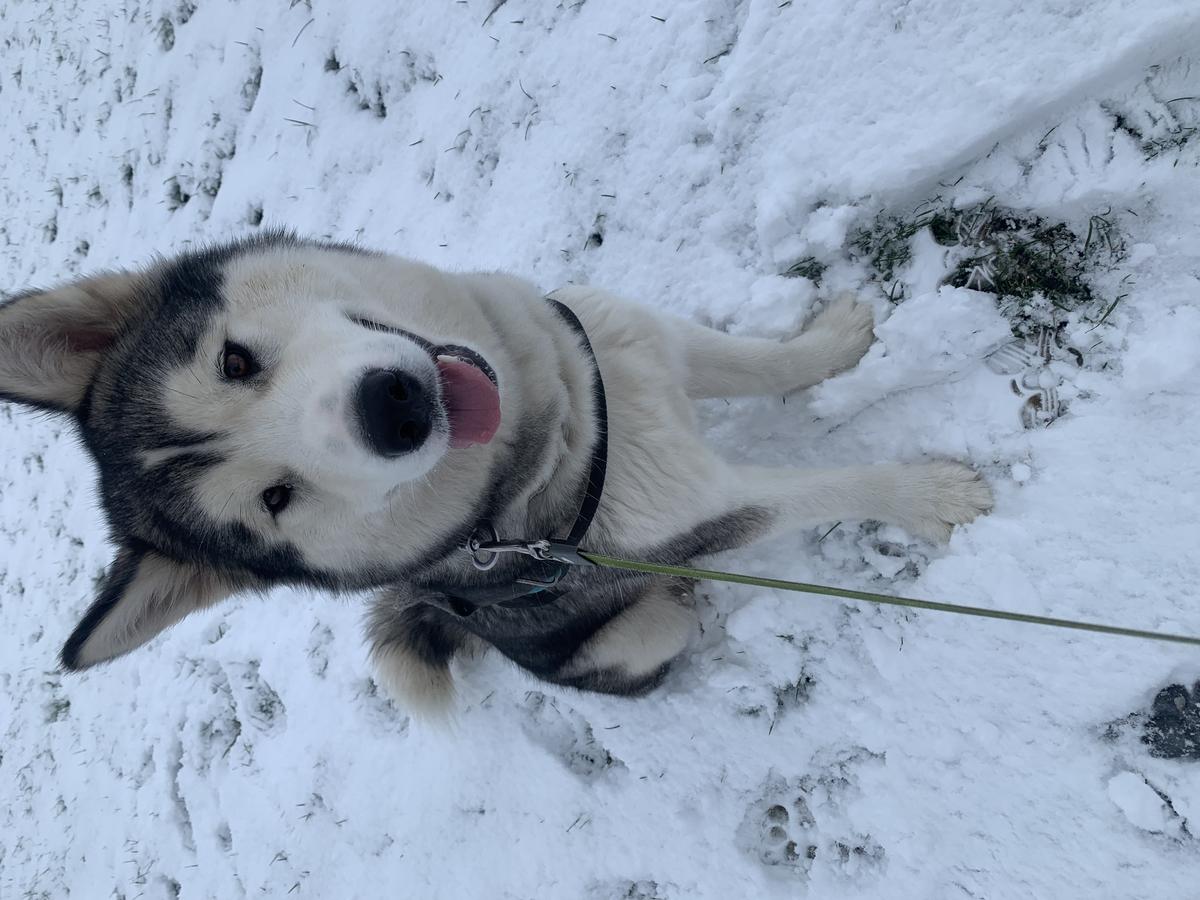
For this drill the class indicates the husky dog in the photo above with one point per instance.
(282, 411)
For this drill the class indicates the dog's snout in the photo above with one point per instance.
(395, 412)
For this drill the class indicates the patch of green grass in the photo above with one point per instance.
(810, 267)
(1172, 135)
(887, 242)
(1176, 139)
(1038, 269)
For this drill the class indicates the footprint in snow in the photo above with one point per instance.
(567, 735)
(783, 834)
(633, 890)
(1173, 729)
(781, 831)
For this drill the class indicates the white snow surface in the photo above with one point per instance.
(1141, 805)
(805, 747)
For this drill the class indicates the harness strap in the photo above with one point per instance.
(538, 589)
(595, 482)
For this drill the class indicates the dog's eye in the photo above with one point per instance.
(237, 363)
(276, 498)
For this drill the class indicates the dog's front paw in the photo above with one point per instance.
(937, 496)
(839, 336)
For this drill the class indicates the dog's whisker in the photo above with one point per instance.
(183, 393)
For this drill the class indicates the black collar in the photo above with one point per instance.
(555, 555)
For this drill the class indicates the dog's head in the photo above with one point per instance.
(260, 412)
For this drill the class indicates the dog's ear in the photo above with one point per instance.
(143, 594)
(52, 341)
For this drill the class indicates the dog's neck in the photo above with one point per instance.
(539, 478)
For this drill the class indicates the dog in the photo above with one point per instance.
(281, 411)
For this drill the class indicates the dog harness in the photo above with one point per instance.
(553, 557)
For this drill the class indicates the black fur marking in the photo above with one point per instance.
(7, 303)
(123, 417)
(525, 459)
(117, 580)
(181, 441)
(399, 621)
(372, 325)
(728, 532)
(167, 518)
(616, 681)
(543, 639)
(41, 405)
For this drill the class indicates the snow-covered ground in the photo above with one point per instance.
(686, 154)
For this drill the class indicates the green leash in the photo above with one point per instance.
(485, 547)
(615, 562)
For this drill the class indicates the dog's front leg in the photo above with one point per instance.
(724, 365)
(927, 499)
(712, 363)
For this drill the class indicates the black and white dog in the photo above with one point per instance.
(280, 411)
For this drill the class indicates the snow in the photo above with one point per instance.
(1165, 357)
(931, 339)
(805, 746)
(1137, 800)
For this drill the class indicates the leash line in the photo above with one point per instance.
(534, 589)
(616, 562)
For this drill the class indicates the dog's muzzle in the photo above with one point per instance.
(395, 411)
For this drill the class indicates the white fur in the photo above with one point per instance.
(355, 511)
(639, 640)
(419, 688)
(664, 480)
(160, 594)
(720, 365)
(51, 343)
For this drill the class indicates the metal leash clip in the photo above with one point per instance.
(485, 548)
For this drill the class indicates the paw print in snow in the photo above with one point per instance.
(782, 831)
(782, 834)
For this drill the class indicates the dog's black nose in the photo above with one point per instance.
(394, 411)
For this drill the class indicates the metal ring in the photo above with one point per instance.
(484, 533)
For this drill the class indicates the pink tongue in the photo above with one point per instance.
(472, 403)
